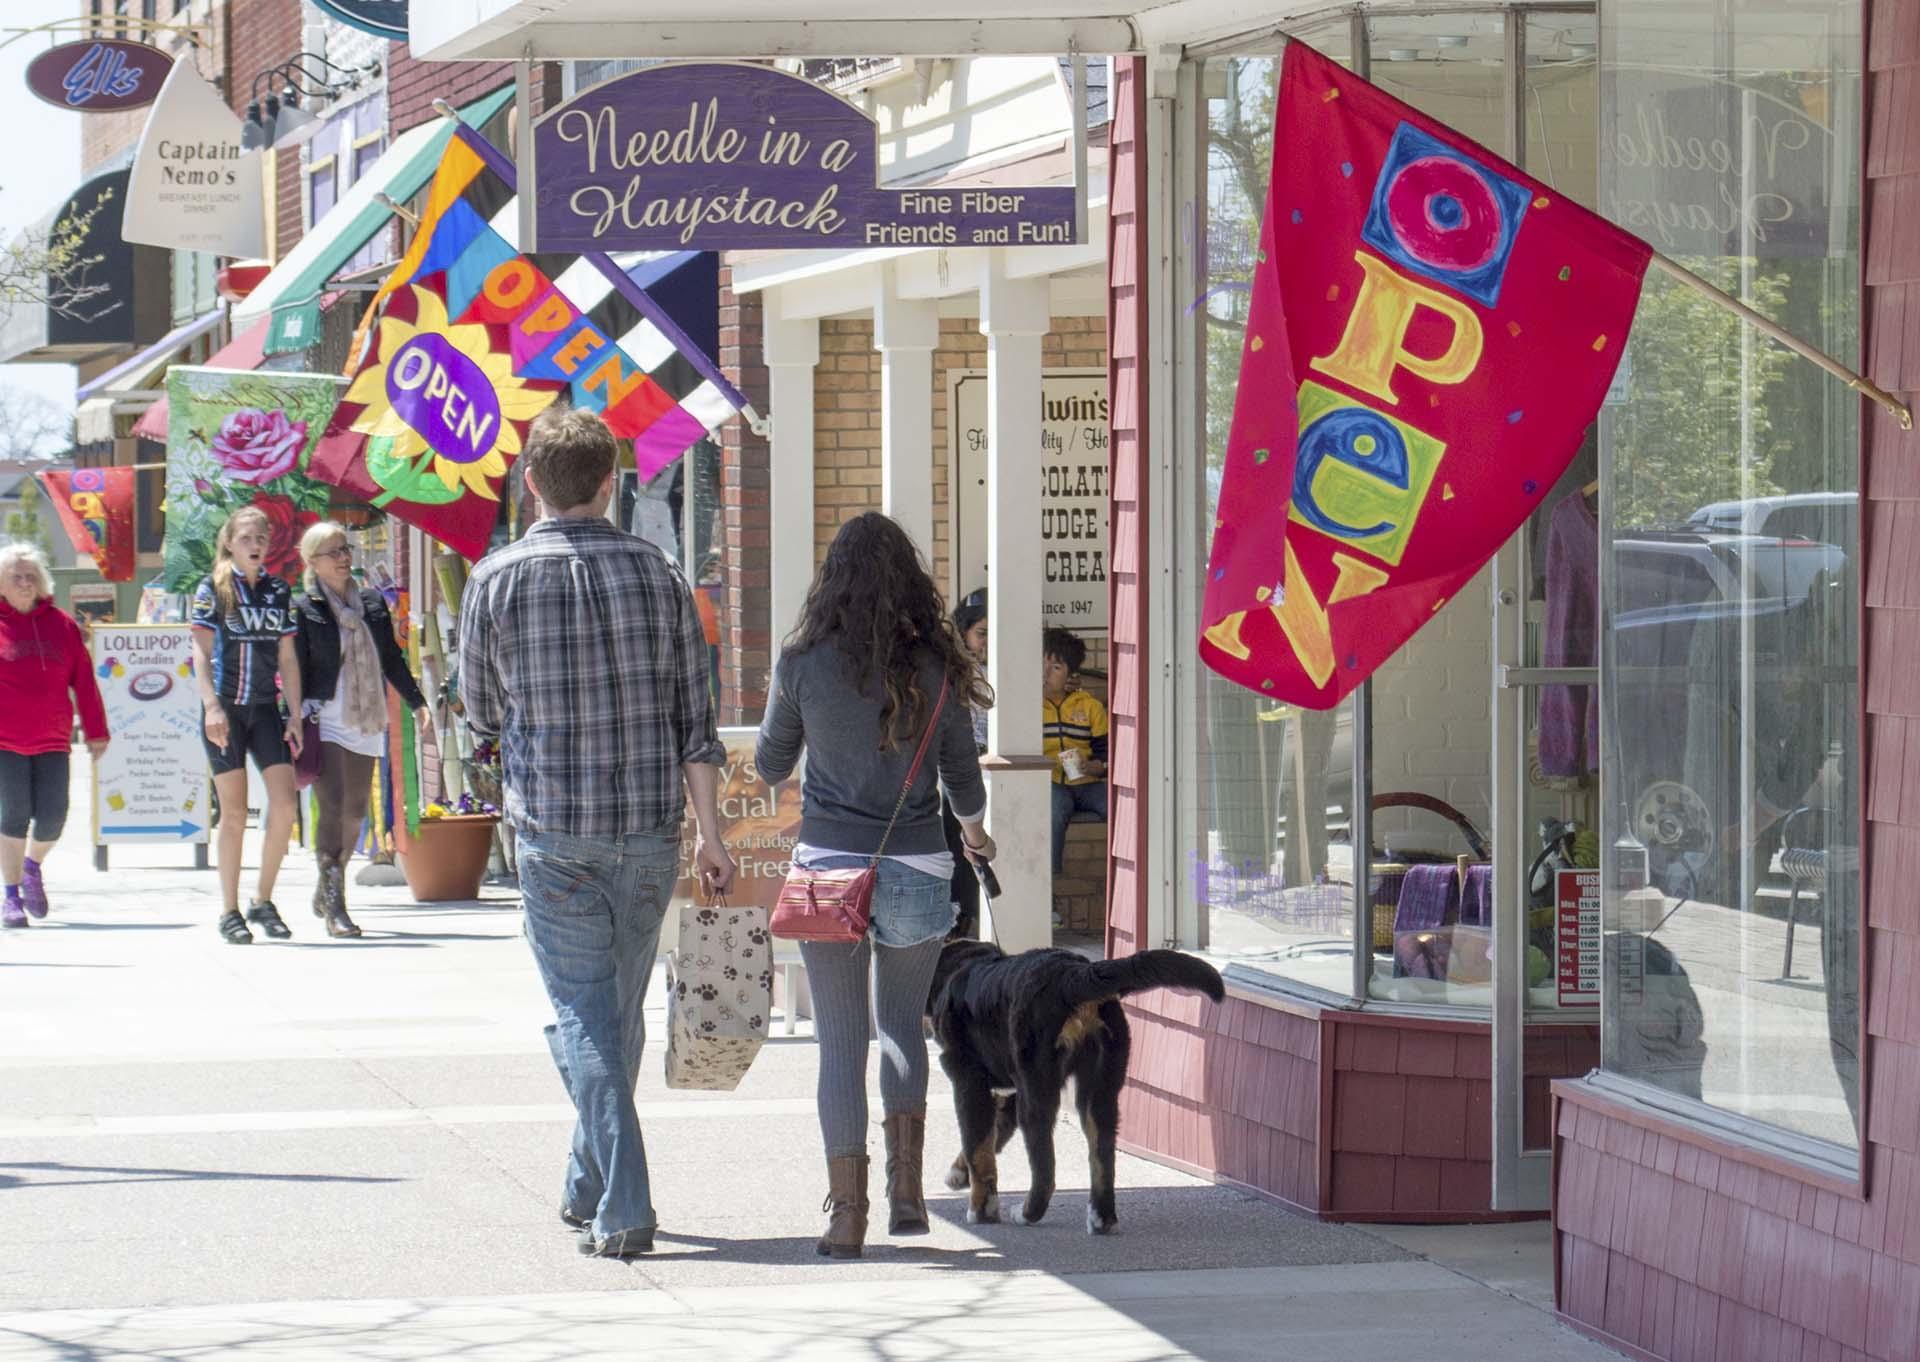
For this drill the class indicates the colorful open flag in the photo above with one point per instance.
(95, 507)
(1430, 334)
(474, 340)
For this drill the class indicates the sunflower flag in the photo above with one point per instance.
(1429, 336)
(474, 339)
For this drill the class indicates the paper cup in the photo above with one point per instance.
(1070, 762)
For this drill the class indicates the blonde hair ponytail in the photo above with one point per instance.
(223, 553)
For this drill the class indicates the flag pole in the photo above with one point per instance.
(1900, 411)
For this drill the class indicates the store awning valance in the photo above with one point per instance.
(294, 288)
(244, 351)
(136, 376)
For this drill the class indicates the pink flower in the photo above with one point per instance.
(258, 446)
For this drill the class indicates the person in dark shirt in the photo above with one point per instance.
(243, 628)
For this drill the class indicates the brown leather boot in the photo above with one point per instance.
(906, 1202)
(846, 1205)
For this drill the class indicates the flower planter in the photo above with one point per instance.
(448, 859)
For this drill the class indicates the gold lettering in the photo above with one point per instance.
(1375, 341)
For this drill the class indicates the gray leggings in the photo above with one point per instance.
(839, 976)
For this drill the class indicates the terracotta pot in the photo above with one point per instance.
(449, 857)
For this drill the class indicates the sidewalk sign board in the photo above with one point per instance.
(760, 824)
(152, 785)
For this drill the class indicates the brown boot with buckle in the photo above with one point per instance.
(906, 1201)
(846, 1205)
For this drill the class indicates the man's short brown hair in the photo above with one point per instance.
(570, 452)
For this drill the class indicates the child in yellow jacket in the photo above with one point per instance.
(1073, 731)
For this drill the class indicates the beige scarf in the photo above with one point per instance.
(363, 699)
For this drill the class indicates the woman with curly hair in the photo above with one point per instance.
(872, 663)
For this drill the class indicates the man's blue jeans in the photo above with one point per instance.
(593, 908)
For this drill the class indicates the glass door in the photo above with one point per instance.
(1547, 946)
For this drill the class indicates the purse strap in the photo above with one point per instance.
(933, 723)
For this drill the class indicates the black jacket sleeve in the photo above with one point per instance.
(393, 662)
(303, 643)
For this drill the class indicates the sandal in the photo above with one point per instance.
(234, 929)
(267, 918)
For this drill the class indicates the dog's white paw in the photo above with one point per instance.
(988, 1214)
(1095, 1225)
(1025, 1217)
(958, 1177)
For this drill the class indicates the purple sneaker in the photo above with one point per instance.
(12, 914)
(33, 889)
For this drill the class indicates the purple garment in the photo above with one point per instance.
(1476, 908)
(1429, 898)
(1570, 715)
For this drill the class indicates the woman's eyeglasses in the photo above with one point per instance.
(342, 552)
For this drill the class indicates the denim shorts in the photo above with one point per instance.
(909, 906)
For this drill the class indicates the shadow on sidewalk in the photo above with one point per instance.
(671, 1246)
(118, 1174)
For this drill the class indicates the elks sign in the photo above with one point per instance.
(194, 188)
(102, 76)
(728, 156)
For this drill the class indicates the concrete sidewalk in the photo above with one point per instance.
(353, 1149)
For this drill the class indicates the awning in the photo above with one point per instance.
(134, 377)
(244, 351)
(402, 171)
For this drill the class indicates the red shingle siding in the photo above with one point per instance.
(1126, 583)
(1749, 1260)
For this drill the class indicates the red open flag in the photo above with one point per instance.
(95, 506)
(1431, 333)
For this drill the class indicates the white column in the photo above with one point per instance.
(1013, 317)
(791, 349)
(905, 334)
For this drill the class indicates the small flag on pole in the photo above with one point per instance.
(1430, 334)
(95, 507)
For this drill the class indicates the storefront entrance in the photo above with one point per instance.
(1469, 764)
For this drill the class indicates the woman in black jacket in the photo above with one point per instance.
(346, 646)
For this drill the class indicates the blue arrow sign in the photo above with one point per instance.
(181, 829)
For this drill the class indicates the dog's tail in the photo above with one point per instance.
(1144, 970)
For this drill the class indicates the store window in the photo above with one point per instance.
(1731, 691)
(1265, 843)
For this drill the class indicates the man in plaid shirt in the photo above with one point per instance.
(582, 653)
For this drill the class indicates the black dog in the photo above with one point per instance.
(1012, 1029)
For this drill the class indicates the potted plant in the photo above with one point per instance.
(447, 858)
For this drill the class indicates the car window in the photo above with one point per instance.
(1646, 580)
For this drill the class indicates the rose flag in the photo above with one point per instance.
(241, 437)
(95, 506)
(1430, 334)
(474, 340)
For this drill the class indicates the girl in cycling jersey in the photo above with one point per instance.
(243, 628)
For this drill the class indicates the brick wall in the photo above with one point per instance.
(265, 34)
(746, 645)
(104, 136)
(412, 86)
(846, 423)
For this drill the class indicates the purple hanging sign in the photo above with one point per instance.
(717, 156)
(102, 75)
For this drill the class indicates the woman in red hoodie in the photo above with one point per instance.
(44, 670)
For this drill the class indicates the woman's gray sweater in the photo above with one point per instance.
(851, 784)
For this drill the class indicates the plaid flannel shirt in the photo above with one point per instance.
(582, 652)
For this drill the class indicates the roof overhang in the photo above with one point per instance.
(493, 30)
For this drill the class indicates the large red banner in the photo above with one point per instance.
(1431, 333)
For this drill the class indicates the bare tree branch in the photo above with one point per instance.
(51, 269)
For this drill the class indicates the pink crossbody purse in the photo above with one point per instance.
(837, 905)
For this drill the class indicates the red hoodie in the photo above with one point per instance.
(44, 667)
